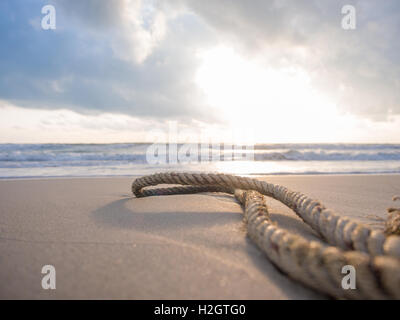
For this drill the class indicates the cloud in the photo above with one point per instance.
(359, 69)
(22, 125)
(139, 57)
(134, 28)
(123, 56)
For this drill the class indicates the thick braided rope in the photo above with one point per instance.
(315, 264)
(392, 225)
(183, 190)
(337, 230)
(310, 262)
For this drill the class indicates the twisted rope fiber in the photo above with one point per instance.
(374, 254)
(315, 264)
(337, 230)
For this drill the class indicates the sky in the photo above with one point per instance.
(130, 70)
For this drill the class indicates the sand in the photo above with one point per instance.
(106, 244)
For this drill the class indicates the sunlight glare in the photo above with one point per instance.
(247, 94)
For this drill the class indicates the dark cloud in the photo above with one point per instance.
(79, 66)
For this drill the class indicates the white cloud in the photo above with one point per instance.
(358, 69)
(139, 58)
(134, 28)
(21, 125)
(135, 41)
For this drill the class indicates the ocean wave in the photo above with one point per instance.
(68, 159)
(327, 146)
(49, 155)
(296, 155)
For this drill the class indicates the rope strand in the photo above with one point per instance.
(375, 254)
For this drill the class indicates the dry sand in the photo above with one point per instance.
(106, 244)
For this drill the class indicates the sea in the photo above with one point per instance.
(134, 159)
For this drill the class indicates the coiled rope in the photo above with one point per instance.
(374, 254)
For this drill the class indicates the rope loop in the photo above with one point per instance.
(374, 254)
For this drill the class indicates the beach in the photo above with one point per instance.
(106, 244)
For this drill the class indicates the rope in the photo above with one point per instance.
(374, 254)
(392, 225)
